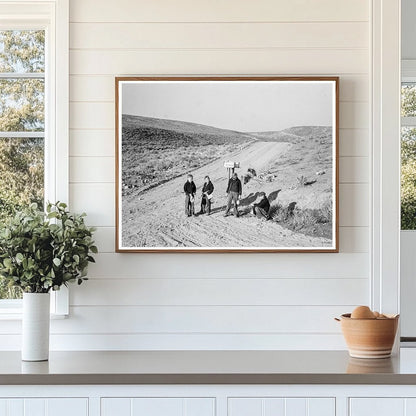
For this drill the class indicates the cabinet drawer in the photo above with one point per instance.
(377, 406)
(44, 407)
(270, 406)
(160, 406)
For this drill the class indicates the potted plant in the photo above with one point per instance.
(40, 252)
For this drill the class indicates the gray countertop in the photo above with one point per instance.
(207, 367)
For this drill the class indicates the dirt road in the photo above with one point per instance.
(157, 217)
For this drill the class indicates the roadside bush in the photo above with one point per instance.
(305, 221)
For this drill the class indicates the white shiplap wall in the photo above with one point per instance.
(249, 301)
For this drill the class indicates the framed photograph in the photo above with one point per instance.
(227, 164)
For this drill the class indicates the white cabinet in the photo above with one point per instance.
(44, 407)
(281, 406)
(159, 406)
(377, 406)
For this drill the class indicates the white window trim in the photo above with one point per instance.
(57, 105)
(385, 115)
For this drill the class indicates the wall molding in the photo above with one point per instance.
(385, 115)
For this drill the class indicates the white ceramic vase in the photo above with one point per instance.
(35, 326)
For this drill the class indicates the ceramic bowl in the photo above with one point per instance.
(369, 338)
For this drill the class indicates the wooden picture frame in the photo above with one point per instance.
(279, 133)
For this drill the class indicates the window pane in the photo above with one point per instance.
(408, 178)
(22, 104)
(22, 109)
(21, 173)
(22, 51)
(21, 183)
(409, 99)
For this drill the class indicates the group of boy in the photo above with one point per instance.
(234, 191)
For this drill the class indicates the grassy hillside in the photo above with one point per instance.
(183, 127)
(304, 175)
(157, 150)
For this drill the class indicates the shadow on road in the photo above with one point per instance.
(218, 209)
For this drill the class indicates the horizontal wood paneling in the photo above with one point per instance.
(200, 319)
(95, 143)
(218, 11)
(353, 115)
(194, 319)
(354, 169)
(352, 239)
(218, 35)
(104, 238)
(354, 142)
(218, 291)
(236, 266)
(192, 341)
(92, 115)
(92, 169)
(95, 199)
(98, 88)
(354, 205)
(221, 62)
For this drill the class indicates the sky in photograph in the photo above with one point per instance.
(242, 106)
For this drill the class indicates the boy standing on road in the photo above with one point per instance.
(207, 191)
(190, 189)
(234, 190)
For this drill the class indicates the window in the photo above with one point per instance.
(408, 153)
(33, 114)
(22, 124)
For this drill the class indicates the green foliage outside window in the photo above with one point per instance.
(408, 160)
(21, 110)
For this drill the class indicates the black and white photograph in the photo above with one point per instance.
(227, 164)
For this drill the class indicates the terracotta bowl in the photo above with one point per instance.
(369, 366)
(369, 338)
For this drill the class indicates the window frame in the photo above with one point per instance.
(408, 76)
(53, 17)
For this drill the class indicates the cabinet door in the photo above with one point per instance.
(377, 406)
(268, 406)
(160, 406)
(44, 407)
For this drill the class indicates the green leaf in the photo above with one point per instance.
(37, 254)
(69, 223)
